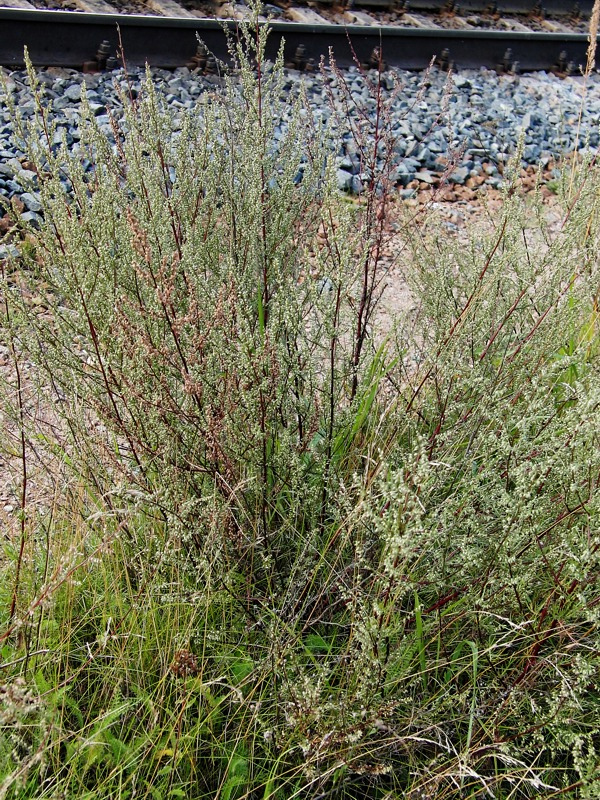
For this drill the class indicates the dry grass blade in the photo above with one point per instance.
(593, 37)
(590, 64)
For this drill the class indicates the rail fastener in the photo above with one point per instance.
(102, 60)
(443, 61)
(564, 66)
(508, 65)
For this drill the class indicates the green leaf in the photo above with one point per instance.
(420, 641)
(241, 668)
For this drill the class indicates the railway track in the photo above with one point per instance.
(506, 36)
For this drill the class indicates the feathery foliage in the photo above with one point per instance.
(278, 560)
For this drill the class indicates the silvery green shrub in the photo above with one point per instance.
(386, 558)
(201, 299)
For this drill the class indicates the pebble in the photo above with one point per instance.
(31, 201)
(8, 251)
(344, 180)
(73, 93)
(460, 175)
(33, 219)
(425, 176)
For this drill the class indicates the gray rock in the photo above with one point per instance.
(461, 82)
(73, 93)
(26, 177)
(97, 109)
(60, 103)
(60, 136)
(8, 251)
(91, 80)
(351, 165)
(424, 176)
(407, 194)
(402, 174)
(531, 153)
(410, 164)
(487, 114)
(27, 109)
(459, 175)
(32, 202)
(344, 180)
(356, 185)
(325, 286)
(33, 219)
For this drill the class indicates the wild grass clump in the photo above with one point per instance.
(281, 561)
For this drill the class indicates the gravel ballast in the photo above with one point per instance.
(475, 119)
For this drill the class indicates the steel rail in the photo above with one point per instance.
(62, 38)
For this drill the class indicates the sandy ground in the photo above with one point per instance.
(458, 213)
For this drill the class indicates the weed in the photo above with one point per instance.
(281, 560)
